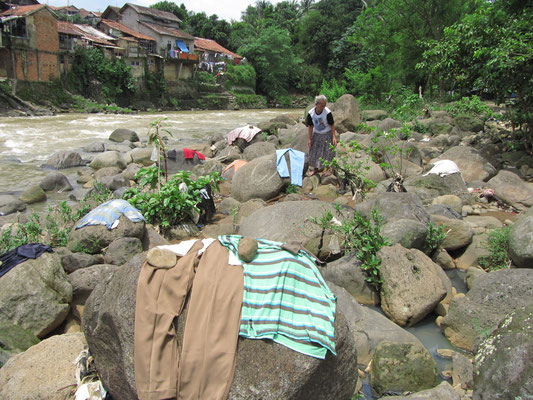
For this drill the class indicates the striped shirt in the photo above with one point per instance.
(285, 299)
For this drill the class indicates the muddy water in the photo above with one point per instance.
(25, 143)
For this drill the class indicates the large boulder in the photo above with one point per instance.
(444, 391)
(491, 298)
(394, 206)
(473, 166)
(459, 234)
(346, 112)
(512, 189)
(14, 339)
(259, 149)
(93, 239)
(55, 181)
(257, 179)
(410, 233)
(286, 221)
(428, 187)
(122, 249)
(401, 367)
(10, 204)
(521, 241)
(121, 134)
(263, 369)
(369, 327)
(503, 362)
(412, 286)
(46, 371)
(84, 280)
(176, 161)
(36, 294)
(33, 194)
(141, 155)
(64, 159)
(108, 159)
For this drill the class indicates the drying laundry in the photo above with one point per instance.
(20, 254)
(108, 214)
(246, 132)
(443, 168)
(189, 154)
(297, 160)
(285, 299)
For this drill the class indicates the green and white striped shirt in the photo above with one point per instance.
(285, 299)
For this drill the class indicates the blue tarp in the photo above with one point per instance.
(182, 46)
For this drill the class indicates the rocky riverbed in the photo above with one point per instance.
(51, 307)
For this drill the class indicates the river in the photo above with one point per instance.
(26, 142)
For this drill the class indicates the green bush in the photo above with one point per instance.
(169, 206)
(332, 90)
(470, 105)
(250, 101)
(435, 236)
(205, 77)
(498, 246)
(241, 75)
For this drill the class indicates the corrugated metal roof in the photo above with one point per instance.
(152, 12)
(164, 30)
(123, 28)
(211, 45)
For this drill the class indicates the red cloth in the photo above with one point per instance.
(189, 154)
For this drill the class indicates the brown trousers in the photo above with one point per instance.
(207, 362)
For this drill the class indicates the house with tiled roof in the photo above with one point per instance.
(29, 45)
(211, 54)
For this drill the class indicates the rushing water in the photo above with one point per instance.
(25, 143)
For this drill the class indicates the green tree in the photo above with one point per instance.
(491, 50)
(171, 7)
(273, 58)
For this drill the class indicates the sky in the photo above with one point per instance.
(225, 9)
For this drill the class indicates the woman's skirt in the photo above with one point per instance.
(320, 148)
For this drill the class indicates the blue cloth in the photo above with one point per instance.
(108, 212)
(297, 159)
(20, 254)
(182, 46)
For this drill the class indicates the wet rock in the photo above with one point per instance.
(411, 286)
(64, 159)
(34, 194)
(55, 181)
(44, 371)
(401, 367)
(10, 204)
(121, 134)
(36, 294)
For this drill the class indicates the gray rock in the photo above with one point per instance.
(14, 339)
(227, 205)
(98, 147)
(121, 134)
(92, 239)
(411, 286)
(176, 161)
(472, 164)
(371, 115)
(468, 123)
(430, 186)
(249, 207)
(64, 159)
(263, 368)
(122, 249)
(393, 206)
(443, 210)
(84, 280)
(130, 171)
(474, 251)
(55, 181)
(33, 194)
(258, 150)
(210, 165)
(512, 189)
(114, 182)
(229, 154)
(346, 272)
(74, 261)
(247, 249)
(503, 367)
(257, 179)
(108, 159)
(444, 391)
(161, 258)
(450, 200)
(400, 367)
(491, 298)
(152, 238)
(106, 171)
(10, 204)
(521, 242)
(44, 371)
(409, 233)
(141, 155)
(459, 233)
(36, 294)
(462, 372)
(347, 113)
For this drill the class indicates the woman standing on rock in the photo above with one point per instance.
(321, 134)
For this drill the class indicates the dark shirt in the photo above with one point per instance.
(21, 254)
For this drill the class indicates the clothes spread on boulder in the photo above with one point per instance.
(108, 214)
(246, 132)
(444, 168)
(297, 160)
(189, 154)
(204, 368)
(285, 299)
(20, 254)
